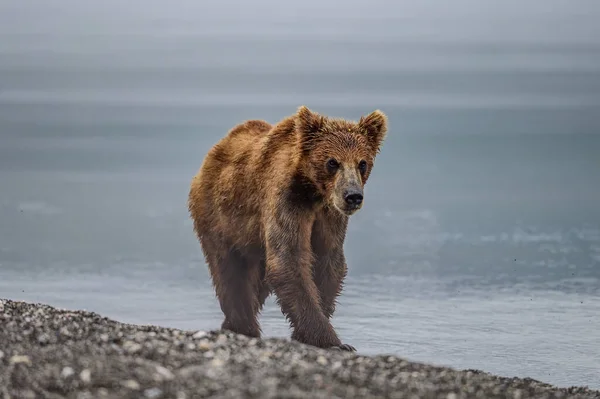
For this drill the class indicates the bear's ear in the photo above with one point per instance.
(374, 126)
(309, 123)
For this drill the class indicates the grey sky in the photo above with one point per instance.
(514, 20)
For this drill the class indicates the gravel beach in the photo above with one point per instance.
(51, 353)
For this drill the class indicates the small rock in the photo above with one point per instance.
(321, 360)
(221, 340)
(27, 394)
(43, 338)
(1, 355)
(191, 371)
(104, 337)
(204, 345)
(67, 372)
(199, 334)
(152, 393)
(451, 395)
(318, 380)
(84, 395)
(132, 347)
(85, 376)
(20, 359)
(131, 384)
(264, 359)
(164, 374)
(271, 382)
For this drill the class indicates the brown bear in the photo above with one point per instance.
(270, 206)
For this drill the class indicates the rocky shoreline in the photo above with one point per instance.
(51, 353)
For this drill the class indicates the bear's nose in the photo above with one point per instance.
(353, 198)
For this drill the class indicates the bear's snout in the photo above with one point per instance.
(353, 197)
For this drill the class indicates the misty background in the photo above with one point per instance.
(479, 242)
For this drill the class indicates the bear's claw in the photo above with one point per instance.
(344, 347)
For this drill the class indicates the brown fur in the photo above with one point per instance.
(269, 211)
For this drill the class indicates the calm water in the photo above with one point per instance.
(479, 243)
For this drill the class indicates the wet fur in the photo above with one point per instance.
(270, 217)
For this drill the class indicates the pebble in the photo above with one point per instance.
(27, 394)
(152, 393)
(321, 360)
(164, 373)
(131, 384)
(132, 347)
(64, 331)
(67, 372)
(205, 345)
(20, 359)
(221, 340)
(85, 376)
(43, 338)
(200, 334)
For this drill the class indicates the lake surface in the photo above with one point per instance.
(479, 243)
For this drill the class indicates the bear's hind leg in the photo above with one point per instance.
(237, 284)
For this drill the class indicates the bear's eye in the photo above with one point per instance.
(332, 165)
(362, 166)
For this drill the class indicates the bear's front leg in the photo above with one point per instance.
(330, 269)
(329, 273)
(289, 273)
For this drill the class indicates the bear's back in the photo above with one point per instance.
(252, 128)
(224, 199)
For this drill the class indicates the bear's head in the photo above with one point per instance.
(338, 155)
